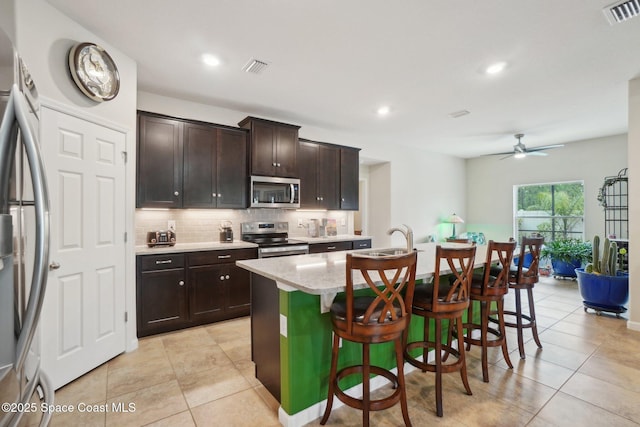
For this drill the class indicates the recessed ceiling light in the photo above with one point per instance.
(496, 68)
(210, 60)
(383, 110)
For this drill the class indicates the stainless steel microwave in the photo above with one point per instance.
(273, 192)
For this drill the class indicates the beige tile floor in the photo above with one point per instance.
(588, 373)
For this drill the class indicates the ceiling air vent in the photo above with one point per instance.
(255, 66)
(621, 11)
(459, 113)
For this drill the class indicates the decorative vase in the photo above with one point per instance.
(604, 293)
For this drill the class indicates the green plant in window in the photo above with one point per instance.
(567, 250)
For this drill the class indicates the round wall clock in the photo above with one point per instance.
(94, 71)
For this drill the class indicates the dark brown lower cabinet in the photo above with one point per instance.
(330, 247)
(176, 291)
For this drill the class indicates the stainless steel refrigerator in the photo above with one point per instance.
(24, 256)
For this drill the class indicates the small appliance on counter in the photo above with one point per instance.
(226, 232)
(161, 238)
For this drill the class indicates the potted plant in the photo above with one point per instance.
(602, 285)
(566, 255)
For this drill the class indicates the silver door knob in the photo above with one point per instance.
(54, 266)
(181, 283)
(176, 193)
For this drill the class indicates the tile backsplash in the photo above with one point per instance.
(203, 225)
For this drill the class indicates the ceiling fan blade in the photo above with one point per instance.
(505, 157)
(499, 154)
(536, 153)
(544, 147)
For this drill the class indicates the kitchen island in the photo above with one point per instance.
(291, 327)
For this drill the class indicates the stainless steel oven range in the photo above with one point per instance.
(272, 239)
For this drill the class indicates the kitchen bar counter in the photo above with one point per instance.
(329, 239)
(193, 247)
(291, 331)
(324, 273)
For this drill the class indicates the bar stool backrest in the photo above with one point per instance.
(498, 285)
(460, 262)
(530, 275)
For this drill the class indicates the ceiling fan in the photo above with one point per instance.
(520, 151)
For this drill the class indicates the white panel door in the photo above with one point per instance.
(83, 322)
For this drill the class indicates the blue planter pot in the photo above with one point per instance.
(565, 269)
(528, 258)
(606, 293)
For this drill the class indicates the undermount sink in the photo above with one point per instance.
(381, 252)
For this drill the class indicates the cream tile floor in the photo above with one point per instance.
(588, 373)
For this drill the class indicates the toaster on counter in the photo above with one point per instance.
(161, 238)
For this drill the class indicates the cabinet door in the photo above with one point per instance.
(199, 166)
(328, 176)
(206, 292)
(362, 244)
(161, 301)
(232, 179)
(349, 171)
(238, 291)
(309, 197)
(286, 155)
(159, 162)
(263, 137)
(330, 247)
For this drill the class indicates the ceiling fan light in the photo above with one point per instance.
(519, 155)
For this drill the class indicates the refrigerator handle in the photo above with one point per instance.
(41, 207)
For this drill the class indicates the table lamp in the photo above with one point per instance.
(454, 219)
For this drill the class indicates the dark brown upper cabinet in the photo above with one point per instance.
(208, 163)
(349, 178)
(319, 175)
(274, 147)
(215, 167)
(159, 171)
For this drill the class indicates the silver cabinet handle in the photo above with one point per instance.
(163, 261)
(226, 277)
(176, 193)
(273, 164)
(219, 195)
(224, 256)
(181, 283)
(343, 199)
(278, 164)
(54, 266)
(330, 247)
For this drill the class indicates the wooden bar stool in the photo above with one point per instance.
(488, 290)
(382, 317)
(448, 300)
(524, 278)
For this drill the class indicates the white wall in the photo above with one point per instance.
(490, 182)
(634, 203)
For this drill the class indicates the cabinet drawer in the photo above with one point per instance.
(221, 256)
(329, 247)
(160, 262)
(362, 244)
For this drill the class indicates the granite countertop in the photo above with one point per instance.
(325, 273)
(327, 239)
(193, 247)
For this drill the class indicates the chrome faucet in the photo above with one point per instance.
(407, 232)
